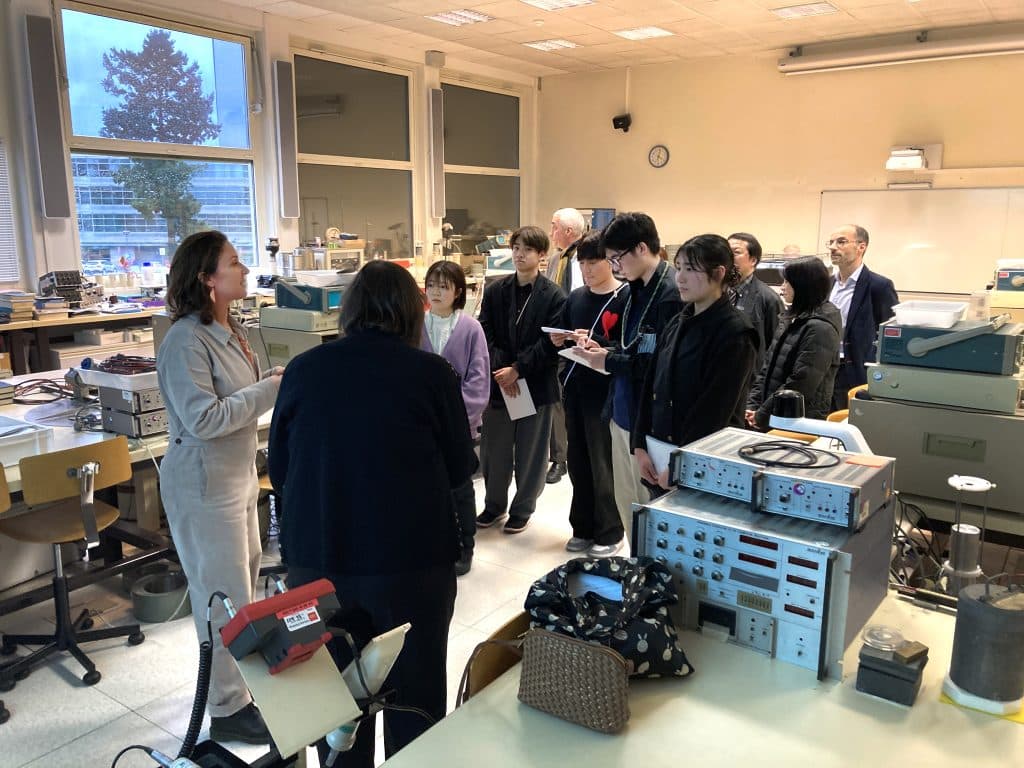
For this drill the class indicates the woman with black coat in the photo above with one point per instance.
(804, 355)
(704, 361)
(369, 437)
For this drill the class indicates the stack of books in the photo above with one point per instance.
(16, 306)
(6, 393)
(51, 307)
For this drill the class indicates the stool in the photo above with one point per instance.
(69, 478)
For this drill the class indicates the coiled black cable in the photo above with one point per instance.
(811, 457)
(195, 722)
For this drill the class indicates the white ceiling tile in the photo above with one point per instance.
(293, 10)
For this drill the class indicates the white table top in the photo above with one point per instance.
(738, 709)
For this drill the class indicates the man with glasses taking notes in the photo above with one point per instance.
(865, 300)
(631, 244)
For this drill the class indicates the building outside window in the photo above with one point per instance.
(160, 138)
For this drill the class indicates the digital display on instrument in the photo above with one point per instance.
(745, 539)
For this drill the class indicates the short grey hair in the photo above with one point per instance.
(570, 217)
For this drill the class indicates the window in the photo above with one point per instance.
(160, 138)
(481, 156)
(9, 271)
(355, 171)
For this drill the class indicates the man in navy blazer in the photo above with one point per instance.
(865, 299)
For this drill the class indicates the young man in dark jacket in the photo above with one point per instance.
(631, 243)
(512, 313)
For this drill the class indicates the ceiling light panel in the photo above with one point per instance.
(644, 33)
(460, 17)
(557, 5)
(805, 10)
(551, 45)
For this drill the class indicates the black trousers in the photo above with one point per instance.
(593, 513)
(464, 498)
(846, 379)
(373, 604)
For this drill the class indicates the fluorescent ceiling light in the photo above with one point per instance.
(913, 53)
(557, 5)
(805, 10)
(551, 45)
(460, 17)
(644, 33)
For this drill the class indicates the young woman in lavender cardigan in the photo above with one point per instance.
(458, 337)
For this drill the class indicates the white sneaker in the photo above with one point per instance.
(576, 544)
(605, 550)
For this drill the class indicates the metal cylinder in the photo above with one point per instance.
(988, 643)
(964, 547)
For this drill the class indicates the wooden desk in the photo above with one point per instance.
(739, 709)
(17, 334)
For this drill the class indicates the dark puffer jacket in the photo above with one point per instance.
(804, 356)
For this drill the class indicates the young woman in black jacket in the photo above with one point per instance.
(704, 361)
(805, 352)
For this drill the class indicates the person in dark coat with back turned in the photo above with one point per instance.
(366, 476)
(805, 353)
(701, 374)
(512, 313)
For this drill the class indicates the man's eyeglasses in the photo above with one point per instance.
(839, 242)
(616, 258)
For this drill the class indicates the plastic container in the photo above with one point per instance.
(980, 306)
(21, 438)
(931, 314)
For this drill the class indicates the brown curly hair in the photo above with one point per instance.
(195, 259)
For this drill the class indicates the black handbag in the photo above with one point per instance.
(639, 626)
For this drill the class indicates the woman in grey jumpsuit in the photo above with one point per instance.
(211, 384)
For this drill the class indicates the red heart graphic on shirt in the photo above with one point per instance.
(608, 321)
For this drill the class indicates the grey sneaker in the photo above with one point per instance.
(577, 544)
(605, 550)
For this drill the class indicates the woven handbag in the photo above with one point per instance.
(584, 683)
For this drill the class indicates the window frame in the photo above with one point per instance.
(450, 78)
(98, 145)
(413, 85)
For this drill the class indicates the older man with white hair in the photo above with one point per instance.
(567, 227)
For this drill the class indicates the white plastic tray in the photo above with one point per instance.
(932, 314)
(29, 440)
(135, 383)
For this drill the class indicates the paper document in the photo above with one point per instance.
(520, 406)
(660, 453)
(546, 329)
(573, 353)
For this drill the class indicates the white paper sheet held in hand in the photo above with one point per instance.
(520, 406)
(574, 354)
(660, 453)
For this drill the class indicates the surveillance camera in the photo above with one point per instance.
(622, 123)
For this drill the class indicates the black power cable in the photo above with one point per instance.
(809, 458)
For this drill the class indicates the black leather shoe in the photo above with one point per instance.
(464, 563)
(556, 473)
(246, 726)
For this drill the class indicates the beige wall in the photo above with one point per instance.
(752, 149)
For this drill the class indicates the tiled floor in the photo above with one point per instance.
(145, 696)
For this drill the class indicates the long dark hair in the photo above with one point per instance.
(194, 260)
(384, 297)
(708, 252)
(811, 283)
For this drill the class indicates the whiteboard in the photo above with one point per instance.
(931, 240)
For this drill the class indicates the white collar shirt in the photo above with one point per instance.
(842, 292)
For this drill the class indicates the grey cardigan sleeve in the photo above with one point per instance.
(186, 372)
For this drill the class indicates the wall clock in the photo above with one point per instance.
(658, 156)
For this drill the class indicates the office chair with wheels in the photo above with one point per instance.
(69, 478)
